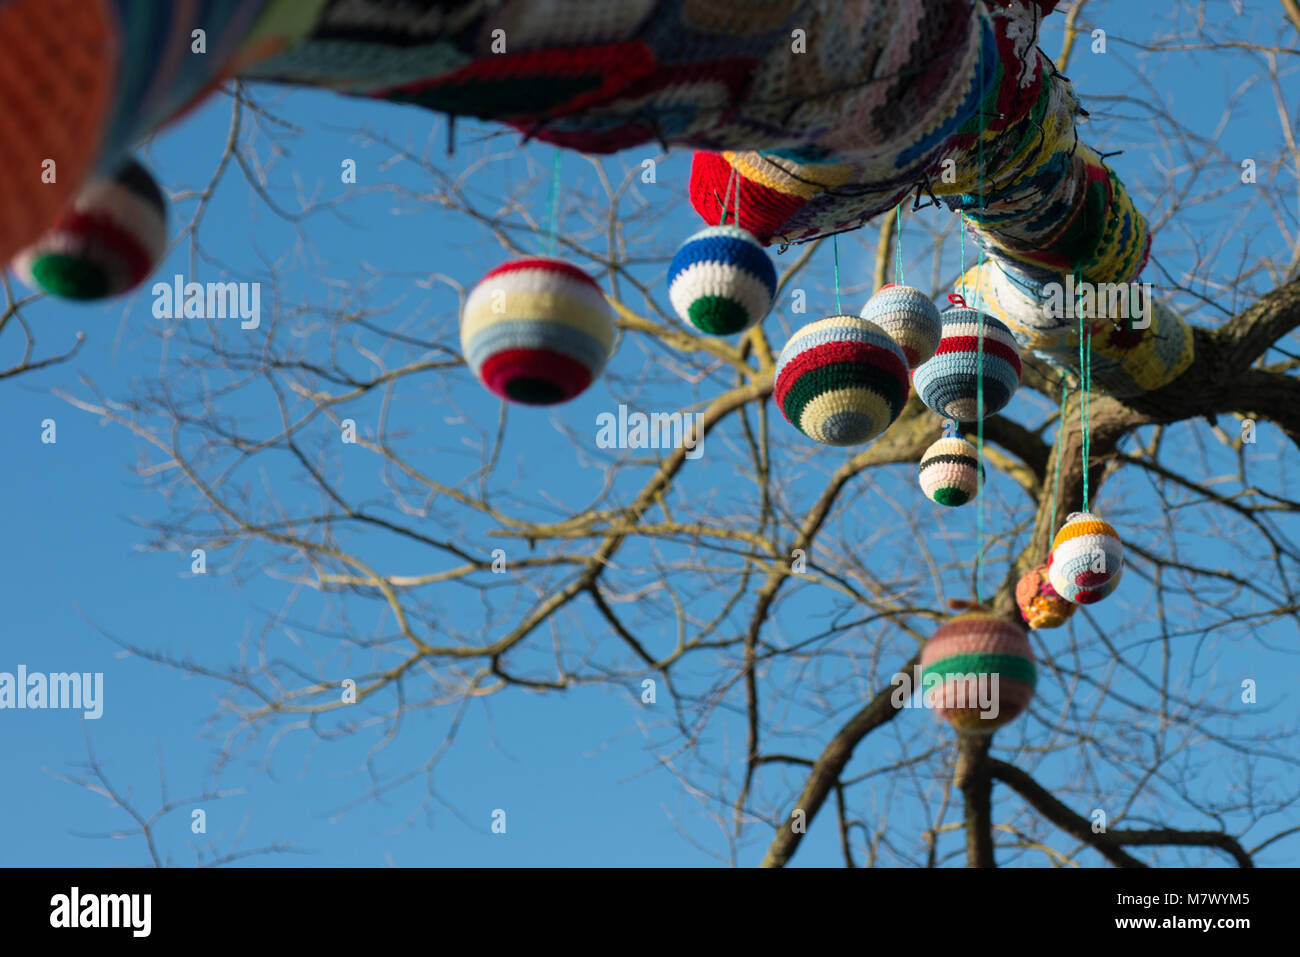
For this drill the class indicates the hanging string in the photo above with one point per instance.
(979, 345)
(835, 246)
(1060, 451)
(898, 243)
(726, 197)
(1085, 385)
(554, 200)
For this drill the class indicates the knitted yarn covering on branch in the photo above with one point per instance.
(841, 380)
(536, 330)
(993, 652)
(1131, 353)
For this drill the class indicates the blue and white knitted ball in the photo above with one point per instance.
(948, 383)
(910, 319)
(721, 281)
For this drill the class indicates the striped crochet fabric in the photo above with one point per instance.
(536, 331)
(108, 241)
(161, 76)
(721, 281)
(950, 470)
(978, 644)
(948, 383)
(1040, 605)
(841, 380)
(1087, 559)
(1125, 361)
(910, 319)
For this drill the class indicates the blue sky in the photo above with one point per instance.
(577, 773)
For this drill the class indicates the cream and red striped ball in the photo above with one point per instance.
(721, 281)
(950, 470)
(1040, 605)
(909, 317)
(536, 330)
(979, 644)
(1087, 559)
(107, 242)
(948, 382)
(841, 380)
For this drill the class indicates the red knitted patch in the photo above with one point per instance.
(970, 343)
(100, 230)
(763, 211)
(570, 375)
(832, 352)
(546, 265)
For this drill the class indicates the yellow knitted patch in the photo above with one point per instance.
(525, 306)
(819, 410)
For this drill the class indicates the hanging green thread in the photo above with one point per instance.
(835, 246)
(979, 345)
(898, 243)
(554, 201)
(1085, 385)
(1060, 450)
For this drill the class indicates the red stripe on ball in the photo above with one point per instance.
(970, 344)
(101, 230)
(568, 374)
(763, 211)
(831, 352)
(534, 262)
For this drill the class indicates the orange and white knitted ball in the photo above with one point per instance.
(950, 471)
(1040, 605)
(1086, 561)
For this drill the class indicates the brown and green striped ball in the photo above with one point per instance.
(107, 242)
(950, 471)
(841, 380)
(977, 646)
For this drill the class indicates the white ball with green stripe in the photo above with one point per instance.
(721, 281)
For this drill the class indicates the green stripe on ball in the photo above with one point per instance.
(718, 315)
(951, 496)
(1012, 667)
(70, 277)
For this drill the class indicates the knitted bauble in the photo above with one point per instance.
(1087, 558)
(978, 655)
(1040, 605)
(841, 380)
(721, 281)
(948, 383)
(536, 330)
(910, 319)
(108, 241)
(950, 471)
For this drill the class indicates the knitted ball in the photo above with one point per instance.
(841, 380)
(949, 471)
(949, 381)
(108, 241)
(536, 330)
(1040, 605)
(1086, 561)
(976, 648)
(721, 281)
(910, 319)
